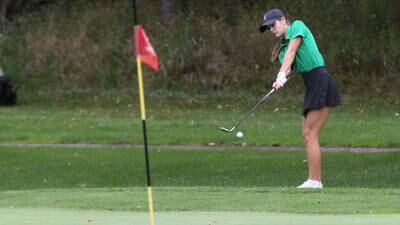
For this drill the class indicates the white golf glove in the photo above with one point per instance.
(280, 80)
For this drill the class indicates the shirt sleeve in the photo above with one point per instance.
(298, 30)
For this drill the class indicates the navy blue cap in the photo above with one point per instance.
(269, 18)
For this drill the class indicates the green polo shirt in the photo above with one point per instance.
(308, 56)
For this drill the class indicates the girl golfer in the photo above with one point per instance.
(297, 50)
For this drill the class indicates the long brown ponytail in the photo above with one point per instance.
(275, 51)
(277, 48)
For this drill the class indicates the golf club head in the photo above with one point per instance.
(227, 130)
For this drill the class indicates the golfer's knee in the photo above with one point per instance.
(309, 136)
(305, 137)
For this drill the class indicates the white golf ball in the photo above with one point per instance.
(239, 134)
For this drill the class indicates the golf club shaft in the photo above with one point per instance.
(254, 108)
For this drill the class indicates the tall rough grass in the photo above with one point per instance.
(212, 46)
(70, 48)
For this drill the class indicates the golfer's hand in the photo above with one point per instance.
(280, 80)
(276, 85)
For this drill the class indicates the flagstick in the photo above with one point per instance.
(146, 152)
(143, 115)
(134, 12)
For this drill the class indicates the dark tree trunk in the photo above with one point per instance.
(171, 9)
(3, 14)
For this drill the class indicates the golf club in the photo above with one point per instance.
(253, 109)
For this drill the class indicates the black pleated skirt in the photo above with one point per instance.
(321, 90)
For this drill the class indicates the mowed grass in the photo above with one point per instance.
(240, 199)
(24, 168)
(228, 186)
(344, 201)
(184, 180)
(101, 217)
(272, 124)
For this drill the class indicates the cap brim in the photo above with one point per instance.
(266, 24)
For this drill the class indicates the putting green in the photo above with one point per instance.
(46, 216)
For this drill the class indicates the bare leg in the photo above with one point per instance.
(312, 124)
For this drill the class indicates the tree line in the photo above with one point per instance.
(203, 45)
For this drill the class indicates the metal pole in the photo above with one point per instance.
(143, 116)
(135, 19)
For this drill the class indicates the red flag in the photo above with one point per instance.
(144, 49)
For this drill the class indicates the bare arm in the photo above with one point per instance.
(290, 54)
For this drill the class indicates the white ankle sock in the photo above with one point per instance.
(314, 182)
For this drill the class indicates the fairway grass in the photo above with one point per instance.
(47, 168)
(213, 199)
(45, 216)
(69, 186)
(270, 125)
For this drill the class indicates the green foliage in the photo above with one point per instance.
(212, 46)
(70, 47)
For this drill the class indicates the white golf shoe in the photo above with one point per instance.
(311, 184)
